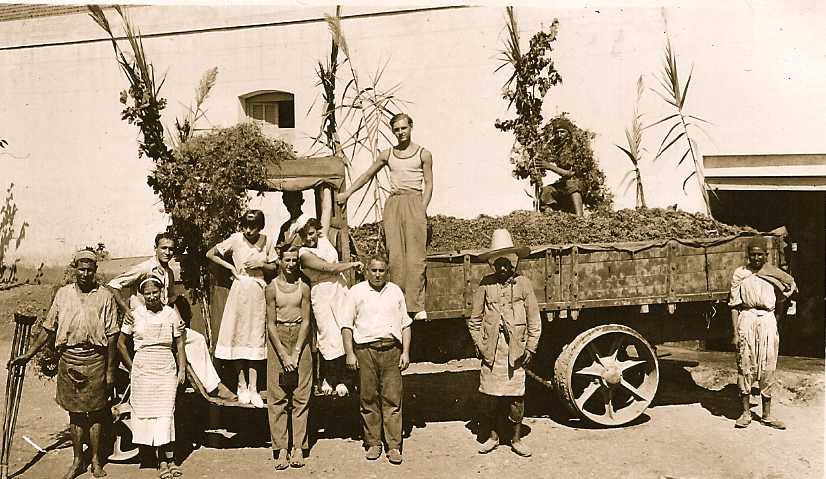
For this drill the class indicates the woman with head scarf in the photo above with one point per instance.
(156, 371)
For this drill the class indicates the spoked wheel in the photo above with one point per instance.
(607, 375)
(123, 449)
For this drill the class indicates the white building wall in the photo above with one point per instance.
(78, 180)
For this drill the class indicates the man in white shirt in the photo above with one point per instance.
(375, 328)
(197, 352)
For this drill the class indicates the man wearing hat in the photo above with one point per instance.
(505, 327)
(82, 322)
(753, 301)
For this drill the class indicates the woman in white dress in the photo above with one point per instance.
(328, 290)
(155, 372)
(241, 338)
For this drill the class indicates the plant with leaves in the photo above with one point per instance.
(633, 135)
(538, 141)
(206, 189)
(186, 127)
(203, 181)
(675, 94)
(142, 101)
(356, 121)
(533, 75)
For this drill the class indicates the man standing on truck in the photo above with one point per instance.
(753, 302)
(405, 212)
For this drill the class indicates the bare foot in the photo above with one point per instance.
(97, 470)
(77, 468)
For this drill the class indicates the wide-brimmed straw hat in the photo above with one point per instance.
(501, 244)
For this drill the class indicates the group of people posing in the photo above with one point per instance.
(286, 289)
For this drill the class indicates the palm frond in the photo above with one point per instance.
(661, 120)
(660, 153)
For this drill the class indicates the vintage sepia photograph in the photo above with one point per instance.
(429, 240)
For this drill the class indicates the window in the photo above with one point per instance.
(272, 108)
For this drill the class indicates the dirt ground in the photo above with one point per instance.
(687, 433)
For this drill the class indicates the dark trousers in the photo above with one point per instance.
(495, 409)
(381, 394)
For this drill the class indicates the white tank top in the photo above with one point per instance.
(406, 174)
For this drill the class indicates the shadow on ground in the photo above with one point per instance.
(59, 440)
(678, 387)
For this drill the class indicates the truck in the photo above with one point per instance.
(605, 307)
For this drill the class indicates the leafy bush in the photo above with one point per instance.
(558, 140)
(531, 228)
(204, 188)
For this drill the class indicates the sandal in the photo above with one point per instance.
(282, 461)
(297, 457)
(175, 470)
(164, 473)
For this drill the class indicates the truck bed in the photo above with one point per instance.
(581, 276)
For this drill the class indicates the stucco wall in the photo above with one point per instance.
(78, 180)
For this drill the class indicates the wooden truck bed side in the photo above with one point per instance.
(573, 277)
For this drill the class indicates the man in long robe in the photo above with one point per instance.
(753, 302)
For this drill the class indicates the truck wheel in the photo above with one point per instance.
(123, 450)
(607, 375)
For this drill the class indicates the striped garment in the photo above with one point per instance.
(154, 374)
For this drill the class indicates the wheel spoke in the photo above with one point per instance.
(592, 350)
(609, 406)
(636, 392)
(615, 345)
(625, 365)
(586, 394)
(593, 370)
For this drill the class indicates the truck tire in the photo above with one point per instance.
(607, 375)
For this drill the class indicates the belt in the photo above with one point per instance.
(380, 344)
(405, 192)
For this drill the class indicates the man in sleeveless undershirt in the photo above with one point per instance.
(405, 211)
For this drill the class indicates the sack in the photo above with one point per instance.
(288, 381)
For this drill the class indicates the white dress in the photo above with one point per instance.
(154, 374)
(328, 292)
(243, 324)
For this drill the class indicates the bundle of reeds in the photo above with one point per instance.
(14, 387)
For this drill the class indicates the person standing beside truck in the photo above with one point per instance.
(83, 323)
(505, 327)
(376, 331)
(405, 212)
(753, 300)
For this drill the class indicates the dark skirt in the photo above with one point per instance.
(81, 379)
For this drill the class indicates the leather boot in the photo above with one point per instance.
(516, 441)
(768, 419)
(745, 418)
